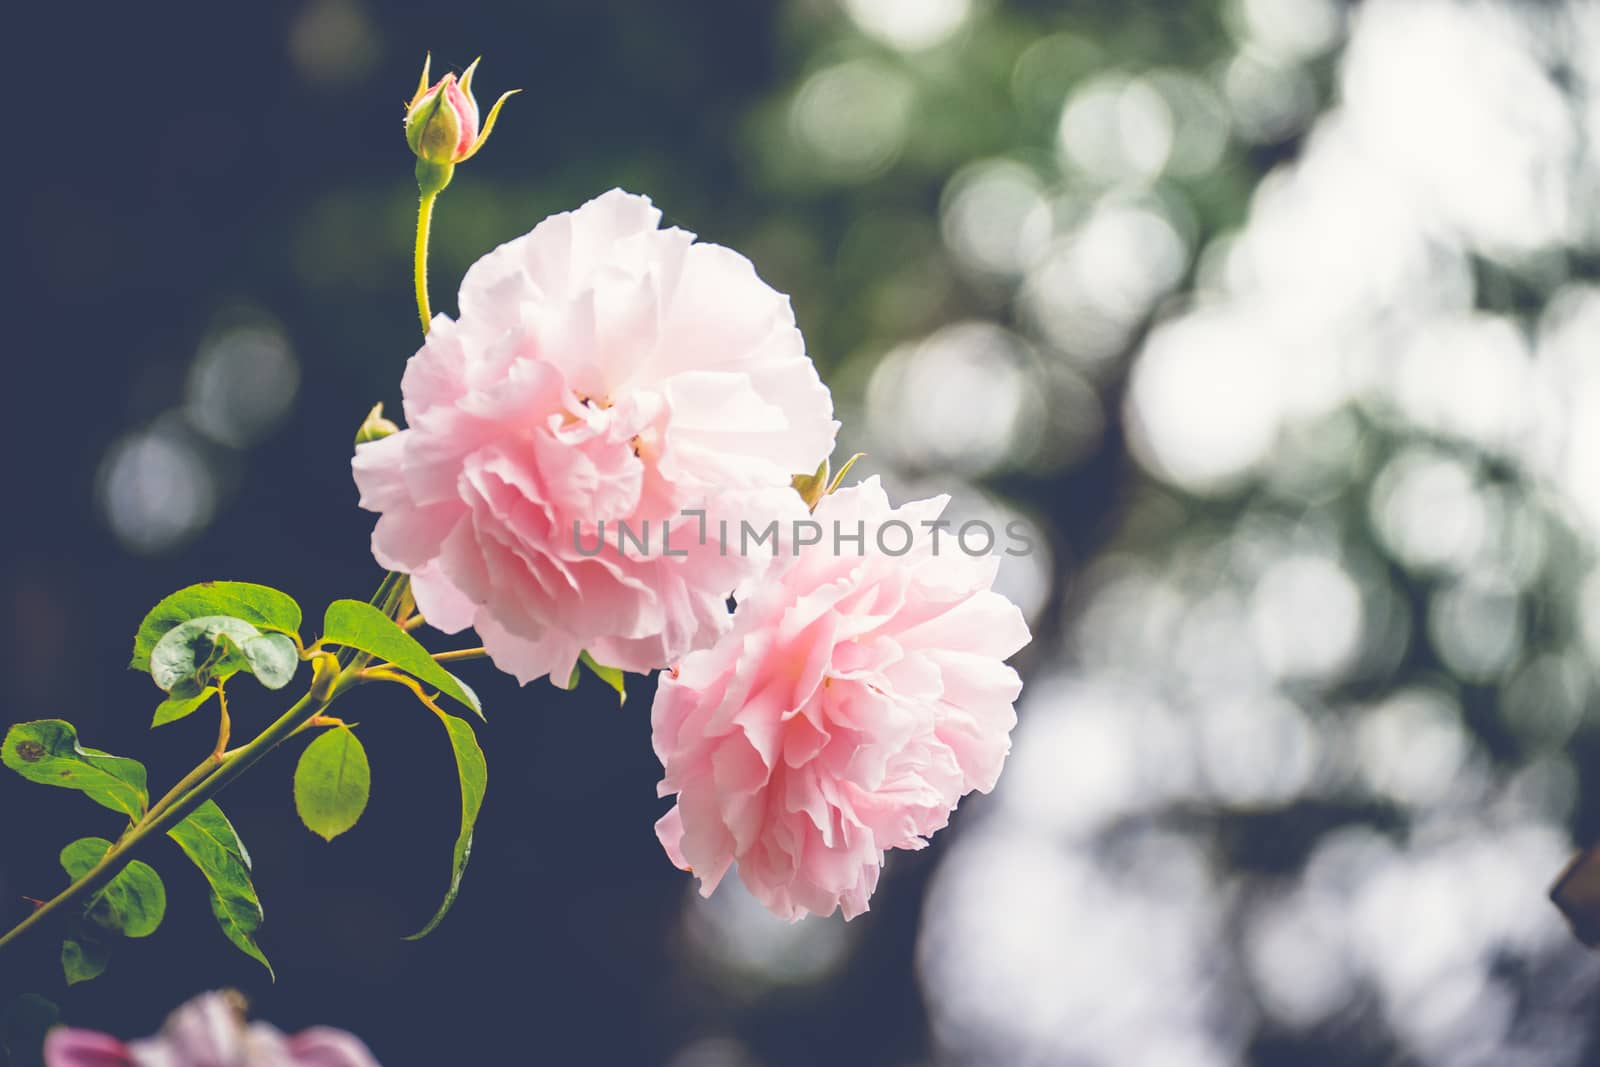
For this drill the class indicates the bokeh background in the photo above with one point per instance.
(1278, 321)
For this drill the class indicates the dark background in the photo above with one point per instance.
(177, 169)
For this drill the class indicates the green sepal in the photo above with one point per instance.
(833, 486)
(433, 177)
(812, 487)
(375, 427)
(612, 676)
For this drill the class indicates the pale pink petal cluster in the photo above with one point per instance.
(208, 1031)
(602, 370)
(858, 697)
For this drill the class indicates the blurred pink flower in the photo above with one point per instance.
(858, 697)
(602, 370)
(208, 1031)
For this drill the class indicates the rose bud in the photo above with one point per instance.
(375, 427)
(442, 125)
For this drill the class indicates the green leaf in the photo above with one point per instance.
(474, 774)
(612, 676)
(331, 783)
(262, 607)
(213, 648)
(83, 958)
(22, 1029)
(132, 903)
(47, 751)
(173, 708)
(208, 839)
(195, 649)
(359, 625)
(273, 659)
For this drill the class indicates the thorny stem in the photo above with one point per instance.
(317, 721)
(213, 775)
(332, 676)
(419, 261)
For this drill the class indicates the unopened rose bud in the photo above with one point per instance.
(375, 427)
(442, 125)
(442, 122)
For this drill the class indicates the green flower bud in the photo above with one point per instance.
(442, 123)
(375, 427)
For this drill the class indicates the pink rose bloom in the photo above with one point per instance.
(209, 1031)
(857, 698)
(602, 371)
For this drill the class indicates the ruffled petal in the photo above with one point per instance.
(851, 706)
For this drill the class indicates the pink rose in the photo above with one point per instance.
(603, 371)
(858, 697)
(208, 1031)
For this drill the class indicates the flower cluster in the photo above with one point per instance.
(606, 372)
